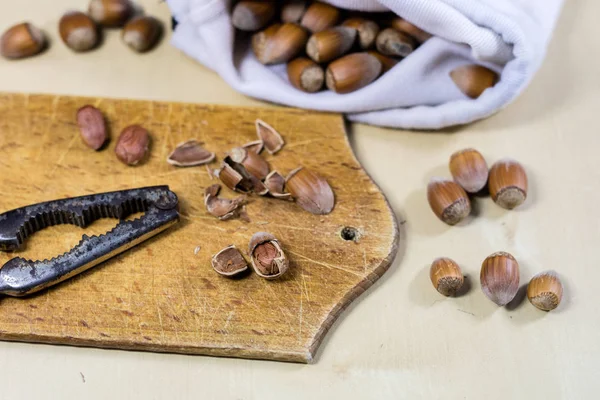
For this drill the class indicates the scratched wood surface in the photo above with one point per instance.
(163, 295)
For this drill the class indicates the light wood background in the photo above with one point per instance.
(401, 340)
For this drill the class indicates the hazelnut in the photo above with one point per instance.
(229, 262)
(142, 33)
(252, 15)
(78, 31)
(367, 31)
(293, 11)
(473, 80)
(268, 258)
(352, 72)
(448, 200)
(255, 146)
(275, 182)
(545, 291)
(500, 278)
(446, 276)
(22, 40)
(221, 208)
(469, 170)
(279, 43)
(132, 145)
(92, 126)
(310, 191)
(253, 162)
(320, 16)
(508, 183)
(391, 42)
(111, 13)
(306, 75)
(330, 44)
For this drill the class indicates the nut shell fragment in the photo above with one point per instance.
(275, 182)
(270, 137)
(255, 146)
(189, 154)
(229, 262)
(235, 176)
(311, 191)
(223, 209)
(268, 258)
(254, 163)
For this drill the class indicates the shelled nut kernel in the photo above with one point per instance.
(252, 15)
(352, 72)
(508, 183)
(545, 291)
(92, 126)
(132, 145)
(229, 262)
(78, 31)
(306, 75)
(500, 278)
(22, 40)
(448, 200)
(310, 191)
(473, 80)
(469, 170)
(330, 44)
(446, 276)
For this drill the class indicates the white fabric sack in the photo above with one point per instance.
(508, 36)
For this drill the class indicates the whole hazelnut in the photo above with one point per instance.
(22, 40)
(132, 145)
(469, 170)
(448, 200)
(111, 13)
(545, 291)
(508, 184)
(446, 276)
(142, 33)
(500, 278)
(78, 31)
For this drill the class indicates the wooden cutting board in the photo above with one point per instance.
(163, 295)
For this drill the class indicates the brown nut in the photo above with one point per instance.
(367, 31)
(142, 33)
(508, 183)
(22, 40)
(132, 145)
(111, 13)
(330, 44)
(306, 75)
(190, 154)
(320, 16)
(446, 276)
(545, 291)
(293, 11)
(92, 126)
(252, 15)
(78, 31)
(275, 182)
(391, 42)
(403, 25)
(387, 63)
(254, 163)
(500, 278)
(352, 72)
(310, 191)
(269, 136)
(473, 80)
(448, 200)
(469, 170)
(236, 177)
(229, 262)
(268, 258)
(279, 43)
(255, 146)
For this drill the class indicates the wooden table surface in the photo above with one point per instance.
(401, 340)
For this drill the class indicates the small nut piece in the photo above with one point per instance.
(473, 80)
(500, 278)
(446, 276)
(367, 31)
(330, 44)
(448, 200)
(229, 262)
(279, 43)
(545, 291)
(189, 154)
(142, 33)
(252, 15)
(352, 72)
(22, 40)
(508, 184)
(269, 136)
(306, 75)
(92, 126)
(311, 191)
(132, 145)
(78, 31)
(469, 170)
(391, 42)
(320, 16)
(293, 11)
(111, 13)
(268, 259)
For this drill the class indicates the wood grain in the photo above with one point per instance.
(163, 295)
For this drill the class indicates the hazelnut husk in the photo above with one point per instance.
(189, 154)
(320, 16)
(253, 162)
(332, 43)
(275, 182)
(403, 25)
(279, 43)
(473, 80)
(92, 126)
(469, 170)
(352, 72)
(142, 33)
(446, 276)
(508, 183)
(21, 41)
(224, 209)
(111, 13)
(391, 42)
(252, 15)
(310, 191)
(367, 31)
(306, 75)
(268, 258)
(387, 62)
(448, 200)
(545, 291)
(78, 31)
(229, 262)
(500, 278)
(293, 11)
(269, 136)
(132, 145)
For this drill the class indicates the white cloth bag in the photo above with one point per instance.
(508, 36)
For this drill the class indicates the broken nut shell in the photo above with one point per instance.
(268, 258)
(310, 191)
(269, 136)
(229, 262)
(508, 183)
(189, 154)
